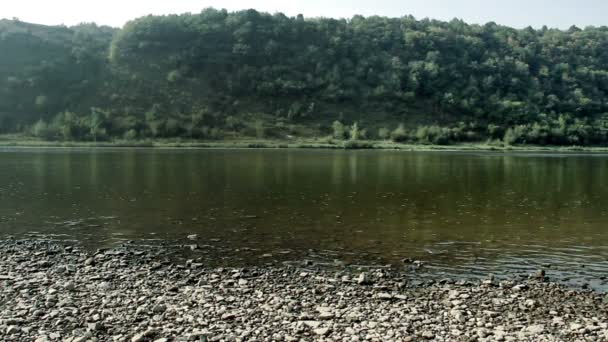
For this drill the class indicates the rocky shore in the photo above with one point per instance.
(58, 292)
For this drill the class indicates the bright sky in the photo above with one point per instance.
(517, 13)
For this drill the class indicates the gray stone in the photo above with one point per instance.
(322, 331)
(427, 334)
(12, 329)
(363, 279)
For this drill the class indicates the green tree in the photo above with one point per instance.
(399, 134)
(339, 130)
(355, 132)
(384, 133)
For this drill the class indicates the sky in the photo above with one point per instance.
(516, 13)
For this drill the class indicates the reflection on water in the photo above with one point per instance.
(462, 213)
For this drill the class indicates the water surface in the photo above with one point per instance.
(462, 213)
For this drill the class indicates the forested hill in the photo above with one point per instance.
(218, 74)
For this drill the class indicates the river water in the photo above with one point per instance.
(462, 214)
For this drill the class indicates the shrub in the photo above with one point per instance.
(130, 135)
(354, 132)
(357, 145)
(399, 134)
(384, 133)
(339, 130)
(514, 135)
(495, 131)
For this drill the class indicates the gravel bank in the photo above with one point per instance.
(51, 292)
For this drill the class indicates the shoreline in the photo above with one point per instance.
(54, 291)
(11, 142)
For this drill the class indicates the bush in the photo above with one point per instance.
(357, 145)
(130, 135)
(495, 131)
(339, 130)
(514, 135)
(174, 76)
(433, 135)
(354, 132)
(45, 131)
(260, 131)
(384, 133)
(399, 134)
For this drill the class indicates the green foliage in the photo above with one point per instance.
(495, 131)
(400, 134)
(199, 76)
(42, 130)
(260, 131)
(41, 101)
(433, 135)
(130, 135)
(355, 133)
(174, 76)
(339, 131)
(357, 145)
(384, 133)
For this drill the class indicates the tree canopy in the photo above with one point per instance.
(197, 75)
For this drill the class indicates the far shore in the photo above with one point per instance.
(299, 143)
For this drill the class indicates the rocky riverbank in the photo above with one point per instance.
(55, 292)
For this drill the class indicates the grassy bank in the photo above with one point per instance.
(310, 143)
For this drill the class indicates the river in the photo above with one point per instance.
(460, 213)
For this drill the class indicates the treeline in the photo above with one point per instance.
(217, 75)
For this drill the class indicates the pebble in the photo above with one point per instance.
(363, 279)
(322, 331)
(141, 297)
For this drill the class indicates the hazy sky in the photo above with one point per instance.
(518, 13)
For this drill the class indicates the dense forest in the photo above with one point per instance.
(222, 75)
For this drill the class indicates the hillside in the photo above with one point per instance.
(45, 70)
(217, 74)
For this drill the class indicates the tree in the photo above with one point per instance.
(156, 73)
(354, 132)
(40, 129)
(384, 133)
(339, 130)
(95, 122)
(399, 134)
